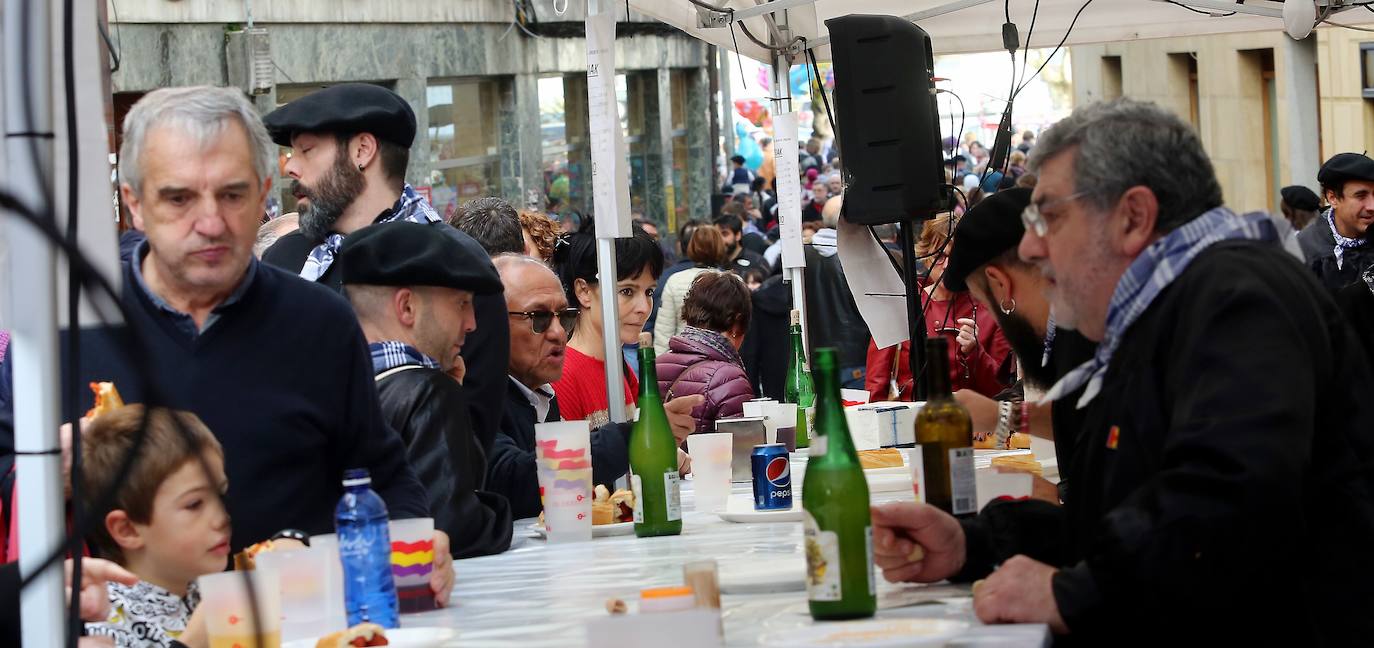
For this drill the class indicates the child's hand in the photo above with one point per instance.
(195, 636)
(441, 579)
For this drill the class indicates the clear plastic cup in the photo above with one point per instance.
(335, 612)
(306, 594)
(711, 474)
(563, 455)
(412, 562)
(229, 608)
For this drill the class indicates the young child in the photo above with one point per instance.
(166, 524)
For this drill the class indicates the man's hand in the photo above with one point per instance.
(981, 410)
(968, 335)
(916, 542)
(1020, 591)
(684, 463)
(680, 417)
(95, 599)
(441, 579)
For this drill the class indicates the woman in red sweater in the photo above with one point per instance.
(582, 392)
(978, 352)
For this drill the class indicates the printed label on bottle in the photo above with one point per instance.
(963, 487)
(917, 462)
(822, 561)
(811, 422)
(818, 446)
(672, 488)
(637, 486)
(868, 538)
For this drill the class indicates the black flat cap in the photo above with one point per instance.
(402, 253)
(1300, 197)
(345, 108)
(987, 231)
(1346, 166)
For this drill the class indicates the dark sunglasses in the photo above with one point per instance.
(540, 320)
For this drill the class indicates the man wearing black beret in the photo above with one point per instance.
(350, 145)
(412, 287)
(1334, 244)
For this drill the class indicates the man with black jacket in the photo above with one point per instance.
(413, 287)
(1334, 244)
(833, 316)
(1222, 488)
(541, 322)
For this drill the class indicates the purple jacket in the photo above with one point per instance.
(704, 362)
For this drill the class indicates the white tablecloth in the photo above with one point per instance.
(539, 595)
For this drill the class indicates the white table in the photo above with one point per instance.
(538, 595)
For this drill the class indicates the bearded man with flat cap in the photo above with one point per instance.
(350, 145)
(1334, 244)
(412, 287)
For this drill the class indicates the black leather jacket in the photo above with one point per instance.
(833, 317)
(430, 412)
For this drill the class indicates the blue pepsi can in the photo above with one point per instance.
(772, 477)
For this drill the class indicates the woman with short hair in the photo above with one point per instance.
(704, 357)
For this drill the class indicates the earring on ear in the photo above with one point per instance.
(360, 167)
(1007, 310)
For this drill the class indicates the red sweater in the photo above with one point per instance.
(982, 365)
(581, 392)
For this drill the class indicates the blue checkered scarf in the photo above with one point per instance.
(410, 206)
(389, 354)
(1151, 272)
(1342, 243)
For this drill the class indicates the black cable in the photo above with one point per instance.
(742, 81)
(76, 628)
(1025, 51)
(119, 35)
(747, 34)
(1056, 47)
(1199, 11)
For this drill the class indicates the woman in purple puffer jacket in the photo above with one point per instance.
(704, 357)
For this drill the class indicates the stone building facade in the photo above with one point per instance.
(501, 107)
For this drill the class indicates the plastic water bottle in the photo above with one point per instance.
(365, 551)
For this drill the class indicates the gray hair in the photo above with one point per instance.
(1126, 143)
(269, 232)
(200, 111)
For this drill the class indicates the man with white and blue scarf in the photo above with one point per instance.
(1222, 487)
(350, 146)
(1335, 244)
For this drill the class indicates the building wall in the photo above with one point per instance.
(1347, 117)
(1258, 126)
(171, 44)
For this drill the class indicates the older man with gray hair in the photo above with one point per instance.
(233, 340)
(1222, 475)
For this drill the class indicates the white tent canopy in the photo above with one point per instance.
(962, 26)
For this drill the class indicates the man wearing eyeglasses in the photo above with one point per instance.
(540, 324)
(413, 288)
(1221, 481)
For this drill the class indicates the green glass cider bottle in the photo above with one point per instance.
(798, 387)
(945, 434)
(653, 456)
(837, 524)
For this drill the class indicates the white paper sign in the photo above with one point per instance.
(789, 189)
(610, 183)
(878, 289)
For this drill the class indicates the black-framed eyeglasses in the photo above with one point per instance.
(540, 320)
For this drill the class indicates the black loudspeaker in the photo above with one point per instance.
(888, 122)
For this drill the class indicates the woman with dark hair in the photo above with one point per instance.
(582, 392)
(706, 249)
(704, 358)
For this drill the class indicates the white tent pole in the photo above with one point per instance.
(781, 103)
(606, 274)
(33, 316)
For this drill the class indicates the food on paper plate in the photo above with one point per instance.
(1021, 463)
(880, 458)
(107, 399)
(1020, 441)
(611, 508)
(246, 560)
(363, 634)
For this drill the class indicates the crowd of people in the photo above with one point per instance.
(1201, 373)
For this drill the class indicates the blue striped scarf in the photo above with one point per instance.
(410, 206)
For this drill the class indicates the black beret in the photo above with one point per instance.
(987, 231)
(345, 108)
(1300, 197)
(403, 253)
(1346, 166)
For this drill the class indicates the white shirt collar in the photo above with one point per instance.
(540, 399)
